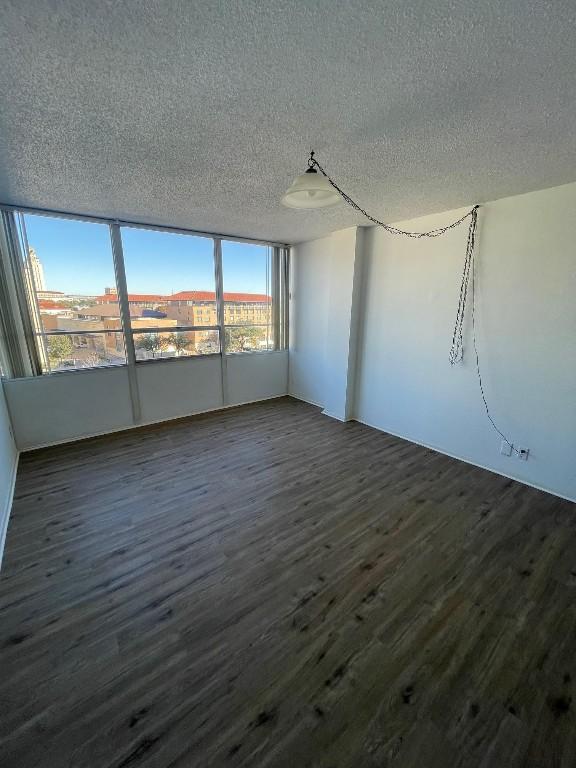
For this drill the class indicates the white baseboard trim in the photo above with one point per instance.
(440, 450)
(325, 412)
(8, 508)
(126, 427)
(333, 416)
(467, 461)
(305, 400)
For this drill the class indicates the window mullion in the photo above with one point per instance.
(276, 297)
(124, 305)
(285, 289)
(26, 359)
(219, 285)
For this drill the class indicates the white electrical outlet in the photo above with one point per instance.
(523, 453)
(505, 448)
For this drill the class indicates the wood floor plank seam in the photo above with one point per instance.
(266, 587)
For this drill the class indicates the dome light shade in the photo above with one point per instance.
(311, 190)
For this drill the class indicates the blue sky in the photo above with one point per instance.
(77, 258)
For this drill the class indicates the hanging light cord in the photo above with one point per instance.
(457, 349)
(312, 162)
(472, 268)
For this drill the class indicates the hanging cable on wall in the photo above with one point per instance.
(457, 349)
(306, 186)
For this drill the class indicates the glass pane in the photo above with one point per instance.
(249, 338)
(68, 271)
(170, 279)
(247, 278)
(65, 352)
(154, 346)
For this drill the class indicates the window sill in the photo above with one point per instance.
(71, 372)
(123, 366)
(177, 359)
(256, 352)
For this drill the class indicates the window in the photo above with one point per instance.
(171, 293)
(66, 265)
(178, 295)
(248, 282)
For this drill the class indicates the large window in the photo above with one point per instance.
(171, 293)
(248, 278)
(78, 294)
(67, 265)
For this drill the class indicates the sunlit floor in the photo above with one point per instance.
(266, 586)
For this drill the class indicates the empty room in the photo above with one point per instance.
(287, 384)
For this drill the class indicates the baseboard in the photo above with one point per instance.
(127, 427)
(325, 412)
(333, 416)
(467, 461)
(305, 400)
(8, 508)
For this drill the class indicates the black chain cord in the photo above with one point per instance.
(312, 162)
(457, 349)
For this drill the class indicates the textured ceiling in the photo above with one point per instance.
(199, 114)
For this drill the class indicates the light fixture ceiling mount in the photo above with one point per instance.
(311, 189)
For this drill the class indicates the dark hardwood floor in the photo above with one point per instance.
(266, 586)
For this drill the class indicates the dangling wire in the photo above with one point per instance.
(457, 349)
(472, 268)
(388, 227)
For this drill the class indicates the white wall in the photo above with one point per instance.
(8, 464)
(179, 387)
(326, 274)
(53, 409)
(70, 405)
(309, 293)
(526, 327)
(257, 376)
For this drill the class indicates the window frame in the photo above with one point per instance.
(279, 293)
(71, 369)
(176, 329)
(279, 336)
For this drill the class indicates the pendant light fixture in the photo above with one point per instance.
(311, 190)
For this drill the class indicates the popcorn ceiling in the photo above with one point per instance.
(199, 114)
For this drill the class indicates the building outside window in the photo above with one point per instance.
(182, 295)
(247, 271)
(65, 264)
(179, 269)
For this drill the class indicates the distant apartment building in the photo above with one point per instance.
(101, 325)
(193, 308)
(34, 271)
(52, 295)
(199, 309)
(94, 324)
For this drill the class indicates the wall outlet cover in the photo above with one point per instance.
(523, 453)
(505, 448)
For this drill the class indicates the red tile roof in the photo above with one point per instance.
(211, 296)
(112, 298)
(186, 296)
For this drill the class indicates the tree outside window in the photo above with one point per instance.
(154, 343)
(244, 338)
(179, 341)
(59, 348)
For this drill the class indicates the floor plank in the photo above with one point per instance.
(266, 586)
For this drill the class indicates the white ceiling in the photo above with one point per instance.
(199, 114)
